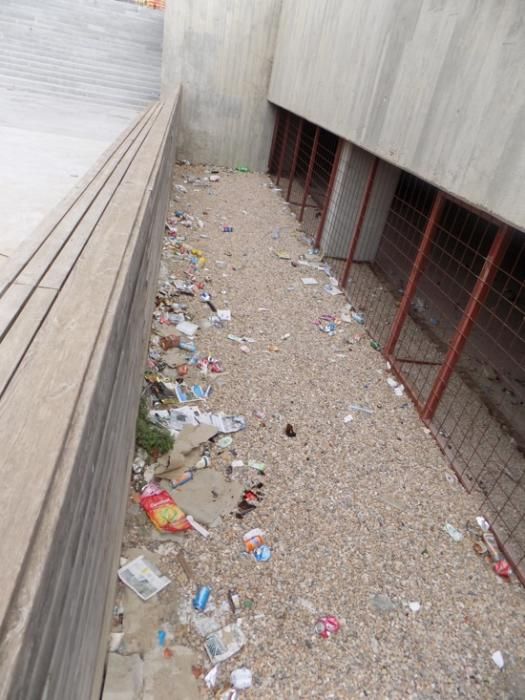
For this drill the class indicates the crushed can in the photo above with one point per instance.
(200, 601)
(327, 625)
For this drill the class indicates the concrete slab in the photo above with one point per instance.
(124, 677)
(46, 146)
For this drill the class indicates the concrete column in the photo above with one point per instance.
(345, 203)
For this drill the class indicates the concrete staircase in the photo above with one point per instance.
(104, 52)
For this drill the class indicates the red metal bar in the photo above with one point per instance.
(415, 274)
(295, 158)
(475, 303)
(360, 220)
(310, 172)
(328, 195)
(274, 137)
(283, 148)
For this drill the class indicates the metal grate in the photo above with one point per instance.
(442, 288)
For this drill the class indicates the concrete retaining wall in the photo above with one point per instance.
(75, 308)
(436, 87)
(221, 52)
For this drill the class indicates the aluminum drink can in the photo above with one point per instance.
(200, 600)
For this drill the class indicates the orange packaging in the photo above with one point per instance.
(254, 539)
(162, 510)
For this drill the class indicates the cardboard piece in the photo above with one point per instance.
(186, 451)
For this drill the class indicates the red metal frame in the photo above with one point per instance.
(310, 172)
(360, 220)
(274, 137)
(295, 158)
(416, 272)
(283, 148)
(477, 298)
(328, 196)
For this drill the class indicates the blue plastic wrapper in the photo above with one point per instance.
(262, 553)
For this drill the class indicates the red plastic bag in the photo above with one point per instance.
(162, 510)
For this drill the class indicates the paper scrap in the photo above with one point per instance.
(143, 578)
(498, 659)
(308, 281)
(187, 328)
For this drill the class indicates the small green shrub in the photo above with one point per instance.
(153, 438)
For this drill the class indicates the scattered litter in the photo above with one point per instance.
(483, 524)
(358, 318)
(327, 625)
(361, 409)
(498, 659)
(399, 390)
(178, 418)
(255, 544)
(214, 178)
(143, 578)
(224, 643)
(115, 640)
(234, 601)
(327, 323)
(241, 678)
(276, 233)
(283, 255)
(225, 442)
(162, 510)
(200, 600)
(196, 526)
(240, 339)
(375, 345)
(259, 466)
(332, 289)
(237, 463)
(224, 314)
(502, 568)
(211, 677)
(415, 606)
(382, 603)
(254, 539)
(309, 281)
(391, 382)
(262, 553)
(289, 431)
(285, 336)
(187, 328)
(456, 535)
(348, 419)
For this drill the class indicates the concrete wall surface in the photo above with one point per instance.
(221, 52)
(436, 87)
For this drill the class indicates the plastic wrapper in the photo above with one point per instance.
(162, 510)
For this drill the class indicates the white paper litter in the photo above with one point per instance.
(415, 606)
(197, 526)
(483, 524)
(224, 314)
(211, 677)
(225, 642)
(349, 418)
(456, 535)
(498, 659)
(187, 328)
(308, 281)
(176, 419)
(391, 382)
(143, 578)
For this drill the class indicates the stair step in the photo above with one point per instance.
(42, 69)
(81, 97)
(113, 94)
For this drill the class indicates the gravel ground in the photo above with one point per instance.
(354, 512)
